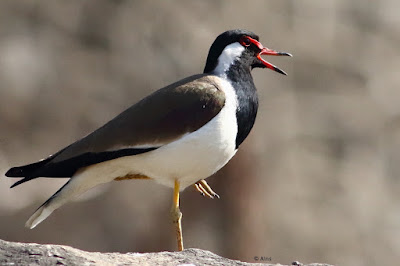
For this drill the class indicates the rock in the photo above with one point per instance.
(13, 253)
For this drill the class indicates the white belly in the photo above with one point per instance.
(193, 157)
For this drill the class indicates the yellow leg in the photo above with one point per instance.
(177, 216)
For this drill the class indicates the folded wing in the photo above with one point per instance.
(161, 118)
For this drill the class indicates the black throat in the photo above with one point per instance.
(239, 76)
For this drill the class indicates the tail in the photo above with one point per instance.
(77, 185)
(27, 171)
(47, 208)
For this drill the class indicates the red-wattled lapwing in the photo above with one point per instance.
(177, 136)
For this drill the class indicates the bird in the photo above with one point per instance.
(177, 136)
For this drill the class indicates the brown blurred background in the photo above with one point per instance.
(316, 180)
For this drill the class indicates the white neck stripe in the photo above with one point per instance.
(228, 57)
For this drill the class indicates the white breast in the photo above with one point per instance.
(193, 157)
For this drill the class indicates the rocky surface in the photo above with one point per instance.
(13, 253)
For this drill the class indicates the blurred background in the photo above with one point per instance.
(317, 180)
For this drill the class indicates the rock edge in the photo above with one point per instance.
(15, 253)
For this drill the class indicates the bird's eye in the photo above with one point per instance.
(245, 41)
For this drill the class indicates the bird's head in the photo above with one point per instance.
(239, 47)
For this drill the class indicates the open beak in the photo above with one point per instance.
(267, 51)
(268, 64)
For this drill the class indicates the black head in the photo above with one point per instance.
(239, 45)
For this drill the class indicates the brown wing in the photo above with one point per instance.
(162, 117)
(156, 120)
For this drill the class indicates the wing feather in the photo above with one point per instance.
(162, 117)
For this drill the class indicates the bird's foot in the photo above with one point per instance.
(205, 190)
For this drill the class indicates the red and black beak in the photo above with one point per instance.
(267, 51)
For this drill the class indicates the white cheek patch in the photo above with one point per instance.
(228, 57)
